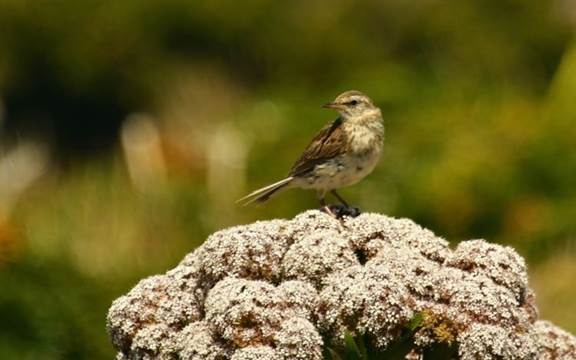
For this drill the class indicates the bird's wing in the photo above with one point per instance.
(328, 143)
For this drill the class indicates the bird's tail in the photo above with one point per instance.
(265, 193)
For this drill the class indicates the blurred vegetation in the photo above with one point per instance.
(129, 128)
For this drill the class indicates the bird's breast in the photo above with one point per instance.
(362, 152)
(364, 140)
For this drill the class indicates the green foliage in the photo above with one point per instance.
(416, 322)
(49, 311)
(359, 348)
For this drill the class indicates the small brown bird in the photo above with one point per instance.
(341, 154)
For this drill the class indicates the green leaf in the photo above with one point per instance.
(361, 342)
(416, 321)
(352, 350)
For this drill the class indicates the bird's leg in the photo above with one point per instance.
(340, 198)
(348, 210)
(326, 208)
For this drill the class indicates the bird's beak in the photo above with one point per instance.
(331, 106)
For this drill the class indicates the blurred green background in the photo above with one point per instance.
(128, 128)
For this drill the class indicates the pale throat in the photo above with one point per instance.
(365, 132)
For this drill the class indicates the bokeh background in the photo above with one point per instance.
(128, 128)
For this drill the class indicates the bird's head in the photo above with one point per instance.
(352, 103)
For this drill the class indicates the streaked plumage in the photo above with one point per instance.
(341, 154)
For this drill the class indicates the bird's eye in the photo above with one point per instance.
(353, 102)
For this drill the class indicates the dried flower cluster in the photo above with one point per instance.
(279, 289)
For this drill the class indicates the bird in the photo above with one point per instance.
(341, 154)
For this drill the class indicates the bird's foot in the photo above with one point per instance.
(339, 211)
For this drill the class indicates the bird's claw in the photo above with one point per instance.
(339, 211)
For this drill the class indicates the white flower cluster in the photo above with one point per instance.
(279, 289)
